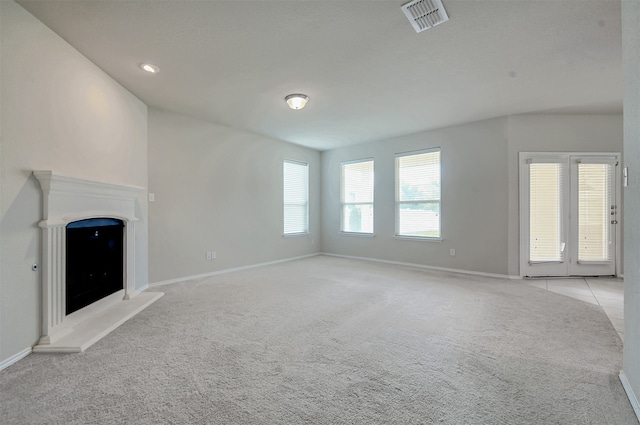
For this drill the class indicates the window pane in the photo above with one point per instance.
(296, 218)
(545, 212)
(357, 182)
(594, 201)
(357, 218)
(418, 194)
(420, 177)
(296, 197)
(420, 219)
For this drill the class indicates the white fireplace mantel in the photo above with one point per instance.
(64, 200)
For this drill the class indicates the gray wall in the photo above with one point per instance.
(479, 188)
(62, 113)
(631, 54)
(474, 199)
(219, 189)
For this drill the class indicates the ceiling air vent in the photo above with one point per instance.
(424, 14)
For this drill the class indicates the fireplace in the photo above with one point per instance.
(88, 260)
(94, 261)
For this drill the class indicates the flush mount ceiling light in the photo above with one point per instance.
(296, 101)
(150, 68)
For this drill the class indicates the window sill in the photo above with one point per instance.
(295, 235)
(418, 238)
(358, 235)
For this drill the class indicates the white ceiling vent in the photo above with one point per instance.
(424, 14)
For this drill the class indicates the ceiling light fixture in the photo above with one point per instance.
(150, 68)
(296, 101)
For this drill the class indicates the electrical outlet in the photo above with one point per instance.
(452, 252)
(214, 255)
(209, 255)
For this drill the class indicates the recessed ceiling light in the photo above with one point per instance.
(296, 101)
(150, 68)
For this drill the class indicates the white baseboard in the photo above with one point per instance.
(11, 360)
(632, 397)
(422, 266)
(235, 269)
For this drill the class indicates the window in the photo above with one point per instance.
(296, 197)
(418, 194)
(356, 196)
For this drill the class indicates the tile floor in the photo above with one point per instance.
(605, 292)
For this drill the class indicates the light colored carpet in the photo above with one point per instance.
(333, 341)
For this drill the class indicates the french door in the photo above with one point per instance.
(568, 214)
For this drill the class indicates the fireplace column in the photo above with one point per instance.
(53, 279)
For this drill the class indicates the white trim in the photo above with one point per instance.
(16, 357)
(418, 238)
(632, 397)
(234, 269)
(418, 152)
(358, 234)
(295, 235)
(356, 161)
(423, 266)
(294, 161)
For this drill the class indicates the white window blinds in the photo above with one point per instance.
(296, 197)
(594, 212)
(357, 196)
(545, 212)
(418, 194)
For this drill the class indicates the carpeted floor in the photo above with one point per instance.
(334, 341)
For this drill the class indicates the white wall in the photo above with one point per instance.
(631, 54)
(553, 133)
(474, 199)
(62, 113)
(219, 189)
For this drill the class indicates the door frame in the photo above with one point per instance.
(523, 207)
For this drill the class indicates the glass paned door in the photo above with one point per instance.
(595, 214)
(568, 214)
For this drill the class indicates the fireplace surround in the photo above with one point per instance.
(67, 200)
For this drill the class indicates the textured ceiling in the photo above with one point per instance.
(369, 75)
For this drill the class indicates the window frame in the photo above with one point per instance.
(343, 204)
(398, 202)
(286, 233)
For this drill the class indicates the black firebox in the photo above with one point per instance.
(95, 261)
